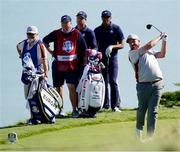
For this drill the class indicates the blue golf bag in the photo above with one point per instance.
(44, 101)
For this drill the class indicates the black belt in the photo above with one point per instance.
(150, 82)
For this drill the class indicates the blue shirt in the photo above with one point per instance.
(89, 37)
(106, 36)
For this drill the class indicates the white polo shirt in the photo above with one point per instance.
(145, 65)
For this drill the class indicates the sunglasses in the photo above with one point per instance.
(30, 34)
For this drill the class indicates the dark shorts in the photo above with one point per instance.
(59, 77)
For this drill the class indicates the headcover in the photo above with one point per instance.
(93, 53)
(28, 73)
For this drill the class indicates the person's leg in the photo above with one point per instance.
(106, 81)
(71, 80)
(26, 89)
(153, 108)
(60, 91)
(143, 95)
(72, 95)
(58, 82)
(113, 73)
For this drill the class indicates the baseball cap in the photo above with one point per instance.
(132, 36)
(106, 13)
(32, 30)
(65, 18)
(82, 14)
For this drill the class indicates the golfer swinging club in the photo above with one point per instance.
(149, 80)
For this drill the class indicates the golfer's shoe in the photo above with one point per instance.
(32, 121)
(62, 114)
(75, 114)
(105, 109)
(116, 109)
(139, 134)
(87, 115)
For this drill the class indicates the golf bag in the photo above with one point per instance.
(91, 88)
(44, 101)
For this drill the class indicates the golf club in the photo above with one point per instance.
(148, 26)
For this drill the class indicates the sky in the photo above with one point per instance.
(131, 15)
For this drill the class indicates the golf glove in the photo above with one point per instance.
(164, 37)
(108, 51)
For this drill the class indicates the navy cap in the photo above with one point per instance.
(65, 18)
(106, 13)
(82, 14)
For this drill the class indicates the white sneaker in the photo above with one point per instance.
(139, 134)
(116, 109)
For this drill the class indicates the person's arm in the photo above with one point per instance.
(44, 59)
(19, 48)
(134, 56)
(119, 44)
(162, 52)
(96, 36)
(81, 47)
(48, 39)
(45, 65)
(93, 42)
(120, 39)
(144, 49)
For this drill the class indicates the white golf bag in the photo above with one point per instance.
(91, 88)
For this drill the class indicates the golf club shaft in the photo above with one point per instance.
(157, 29)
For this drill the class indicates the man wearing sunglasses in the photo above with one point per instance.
(33, 48)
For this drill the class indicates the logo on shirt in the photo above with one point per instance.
(67, 46)
(111, 31)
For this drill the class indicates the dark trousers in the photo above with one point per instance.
(110, 74)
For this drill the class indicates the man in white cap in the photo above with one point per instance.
(33, 47)
(149, 80)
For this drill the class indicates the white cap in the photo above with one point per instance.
(132, 36)
(32, 29)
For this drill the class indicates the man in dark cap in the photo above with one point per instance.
(69, 53)
(86, 32)
(109, 40)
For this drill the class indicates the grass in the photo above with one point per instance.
(109, 131)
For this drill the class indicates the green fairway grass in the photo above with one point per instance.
(109, 131)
